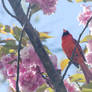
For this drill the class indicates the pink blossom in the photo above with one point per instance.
(6, 59)
(48, 6)
(89, 46)
(12, 82)
(85, 15)
(11, 71)
(8, 69)
(30, 79)
(89, 58)
(4, 72)
(29, 57)
(1, 65)
(26, 52)
(71, 87)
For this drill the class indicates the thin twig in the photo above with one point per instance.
(73, 53)
(4, 6)
(19, 48)
(66, 69)
(79, 85)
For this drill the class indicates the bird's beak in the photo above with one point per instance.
(64, 30)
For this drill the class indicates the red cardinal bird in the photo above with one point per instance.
(68, 45)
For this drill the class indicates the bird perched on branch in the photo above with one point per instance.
(68, 45)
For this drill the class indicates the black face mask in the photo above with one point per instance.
(65, 33)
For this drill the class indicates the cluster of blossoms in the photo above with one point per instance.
(71, 87)
(48, 6)
(89, 54)
(85, 15)
(83, 18)
(30, 79)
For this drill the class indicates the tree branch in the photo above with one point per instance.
(66, 69)
(8, 10)
(19, 48)
(34, 38)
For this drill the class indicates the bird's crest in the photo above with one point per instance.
(65, 32)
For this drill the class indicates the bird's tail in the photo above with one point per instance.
(86, 71)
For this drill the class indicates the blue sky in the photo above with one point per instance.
(64, 17)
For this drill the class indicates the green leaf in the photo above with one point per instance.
(10, 43)
(3, 51)
(47, 50)
(1, 25)
(86, 38)
(84, 0)
(79, 1)
(12, 51)
(87, 87)
(7, 29)
(64, 63)
(37, 18)
(85, 50)
(49, 90)
(69, 0)
(77, 78)
(42, 88)
(17, 32)
(44, 35)
(86, 90)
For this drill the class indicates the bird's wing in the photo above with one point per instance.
(80, 49)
